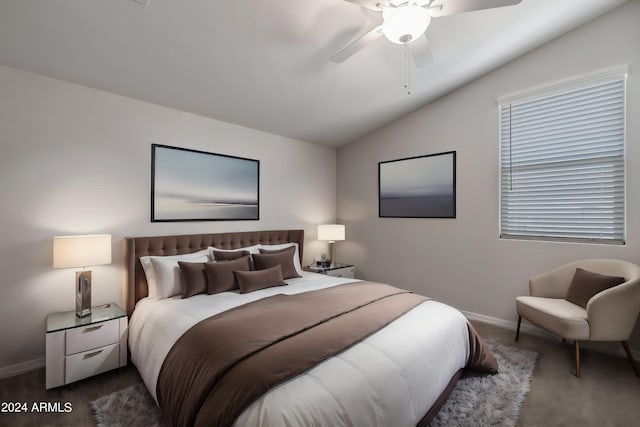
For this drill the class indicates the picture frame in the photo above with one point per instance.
(418, 187)
(193, 185)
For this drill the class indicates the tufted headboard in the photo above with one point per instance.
(135, 247)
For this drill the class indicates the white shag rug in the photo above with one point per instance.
(490, 400)
(476, 400)
(130, 407)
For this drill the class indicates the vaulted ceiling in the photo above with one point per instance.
(265, 64)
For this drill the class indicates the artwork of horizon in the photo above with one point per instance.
(418, 187)
(190, 185)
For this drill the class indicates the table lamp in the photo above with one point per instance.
(331, 233)
(82, 251)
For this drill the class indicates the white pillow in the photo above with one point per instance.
(296, 254)
(147, 266)
(168, 276)
(255, 249)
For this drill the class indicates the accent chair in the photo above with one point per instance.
(586, 300)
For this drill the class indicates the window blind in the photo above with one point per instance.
(562, 164)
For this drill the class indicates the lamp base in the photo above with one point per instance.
(83, 293)
(332, 254)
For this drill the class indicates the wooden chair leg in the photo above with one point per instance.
(577, 358)
(518, 329)
(625, 344)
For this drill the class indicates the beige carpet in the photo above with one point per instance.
(607, 394)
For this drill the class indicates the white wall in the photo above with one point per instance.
(462, 261)
(75, 160)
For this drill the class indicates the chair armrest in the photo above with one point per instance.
(612, 313)
(552, 284)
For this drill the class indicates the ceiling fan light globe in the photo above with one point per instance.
(405, 24)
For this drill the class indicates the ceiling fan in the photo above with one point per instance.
(405, 22)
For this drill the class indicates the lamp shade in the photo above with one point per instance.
(331, 232)
(81, 251)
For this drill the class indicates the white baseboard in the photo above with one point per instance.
(21, 368)
(528, 328)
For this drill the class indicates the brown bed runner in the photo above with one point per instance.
(211, 374)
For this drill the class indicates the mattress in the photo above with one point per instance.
(392, 377)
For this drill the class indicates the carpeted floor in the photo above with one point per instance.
(607, 394)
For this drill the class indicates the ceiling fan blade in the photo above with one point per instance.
(376, 5)
(451, 7)
(421, 52)
(401, 2)
(357, 45)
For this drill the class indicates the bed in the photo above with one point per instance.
(399, 375)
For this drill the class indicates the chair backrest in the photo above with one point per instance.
(555, 283)
(610, 267)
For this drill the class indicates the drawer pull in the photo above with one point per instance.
(89, 355)
(93, 328)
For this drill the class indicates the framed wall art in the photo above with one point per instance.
(191, 185)
(418, 187)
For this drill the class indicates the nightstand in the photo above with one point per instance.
(336, 270)
(80, 347)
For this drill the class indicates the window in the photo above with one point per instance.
(562, 165)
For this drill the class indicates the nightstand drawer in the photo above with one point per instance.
(346, 272)
(92, 362)
(92, 336)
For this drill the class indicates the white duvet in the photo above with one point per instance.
(389, 379)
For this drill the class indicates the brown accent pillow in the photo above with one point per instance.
(283, 257)
(585, 284)
(194, 278)
(228, 255)
(250, 281)
(220, 275)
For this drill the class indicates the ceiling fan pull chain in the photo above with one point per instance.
(407, 69)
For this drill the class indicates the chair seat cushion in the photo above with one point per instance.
(558, 316)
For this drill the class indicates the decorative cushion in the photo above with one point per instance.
(220, 277)
(250, 281)
(267, 249)
(585, 284)
(252, 249)
(149, 272)
(283, 257)
(194, 278)
(255, 249)
(228, 255)
(168, 276)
